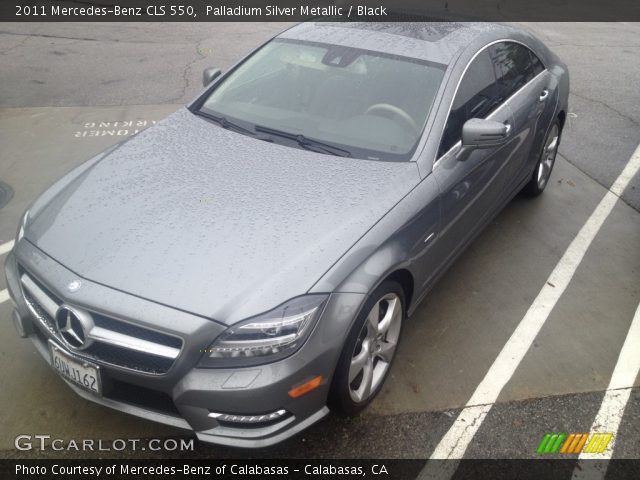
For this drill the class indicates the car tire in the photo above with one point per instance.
(369, 350)
(546, 160)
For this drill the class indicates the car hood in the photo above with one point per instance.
(213, 222)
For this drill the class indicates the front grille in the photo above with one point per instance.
(115, 342)
(125, 392)
(135, 331)
(129, 358)
(45, 320)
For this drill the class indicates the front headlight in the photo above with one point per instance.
(21, 227)
(268, 337)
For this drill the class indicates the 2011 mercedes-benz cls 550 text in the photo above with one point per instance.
(248, 262)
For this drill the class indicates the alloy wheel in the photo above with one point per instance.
(548, 157)
(375, 347)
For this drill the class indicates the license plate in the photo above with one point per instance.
(76, 370)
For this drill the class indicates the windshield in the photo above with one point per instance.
(367, 104)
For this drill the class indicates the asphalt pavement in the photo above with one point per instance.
(68, 91)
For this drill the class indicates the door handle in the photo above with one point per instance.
(544, 95)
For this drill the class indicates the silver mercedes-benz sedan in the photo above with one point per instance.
(247, 263)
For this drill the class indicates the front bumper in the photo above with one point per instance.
(186, 396)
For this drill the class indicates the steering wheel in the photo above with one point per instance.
(396, 111)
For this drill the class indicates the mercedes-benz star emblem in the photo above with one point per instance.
(74, 326)
(74, 285)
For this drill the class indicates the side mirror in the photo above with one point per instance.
(209, 75)
(479, 133)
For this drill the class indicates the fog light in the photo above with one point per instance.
(248, 419)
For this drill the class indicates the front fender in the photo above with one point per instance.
(396, 242)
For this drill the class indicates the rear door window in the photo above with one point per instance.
(538, 67)
(513, 66)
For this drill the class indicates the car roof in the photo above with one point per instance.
(439, 42)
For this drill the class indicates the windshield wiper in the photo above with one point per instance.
(305, 142)
(224, 123)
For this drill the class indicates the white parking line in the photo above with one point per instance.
(6, 247)
(4, 295)
(455, 442)
(613, 404)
